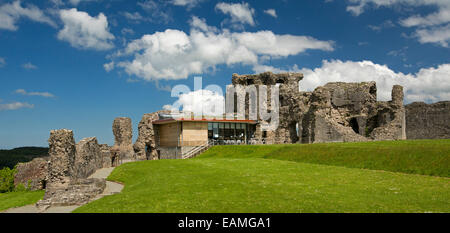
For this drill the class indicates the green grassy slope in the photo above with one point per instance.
(268, 185)
(427, 157)
(16, 199)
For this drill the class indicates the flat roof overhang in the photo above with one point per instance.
(167, 121)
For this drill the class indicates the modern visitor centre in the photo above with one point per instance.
(177, 135)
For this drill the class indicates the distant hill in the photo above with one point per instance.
(9, 158)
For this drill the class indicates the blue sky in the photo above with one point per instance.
(78, 64)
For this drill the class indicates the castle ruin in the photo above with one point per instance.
(335, 112)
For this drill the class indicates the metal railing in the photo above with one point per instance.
(214, 142)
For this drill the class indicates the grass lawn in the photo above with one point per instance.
(285, 178)
(16, 199)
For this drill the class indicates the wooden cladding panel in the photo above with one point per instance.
(169, 134)
(195, 133)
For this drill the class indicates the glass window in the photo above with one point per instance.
(215, 125)
(244, 126)
(227, 125)
(210, 126)
(221, 125)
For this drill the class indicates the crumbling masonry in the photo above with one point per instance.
(336, 112)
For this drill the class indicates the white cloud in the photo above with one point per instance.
(10, 13)
(76, 2)
(437, 18)
(2, 62)
(437, 35)
(188, 3)
(15, 106)
(43, 94)
(29, 66)
(432, 28)
(86, 32)
(200, 102)
(271, 12)
(239, 12)
(126, 31)
(136, 16)
(358, 7)
(173, 54)
(156, 11)
(109, 66)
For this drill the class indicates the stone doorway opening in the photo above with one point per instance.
(354, 124)
(148, 151)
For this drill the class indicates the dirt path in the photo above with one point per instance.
(111, 188)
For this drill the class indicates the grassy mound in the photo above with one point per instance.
(426, 157)
(17, 199)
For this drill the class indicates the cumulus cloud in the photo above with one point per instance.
(84, 31)
(271, 12)
(201, 102)
(15, 106)
(428, 84)
(174, 54)
(240, 13)
(43, 94)
(10, 13)
(29, 66)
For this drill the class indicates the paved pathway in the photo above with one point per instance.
(111, 188)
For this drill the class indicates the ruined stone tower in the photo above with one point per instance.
(336, 112)
(290, 99)
(123, 135)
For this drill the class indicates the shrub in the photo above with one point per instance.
(7, 179)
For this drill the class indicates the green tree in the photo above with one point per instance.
(7, 179)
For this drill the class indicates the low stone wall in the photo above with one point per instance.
(77, 192)
(32, 174)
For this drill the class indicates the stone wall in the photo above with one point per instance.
(428, 121)
(335, 112)
(146, 143)
(123, 137)
(88, 157)
(62, 156)
(69, 168)
(291, 101)
(106, 155)
(32, 174)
